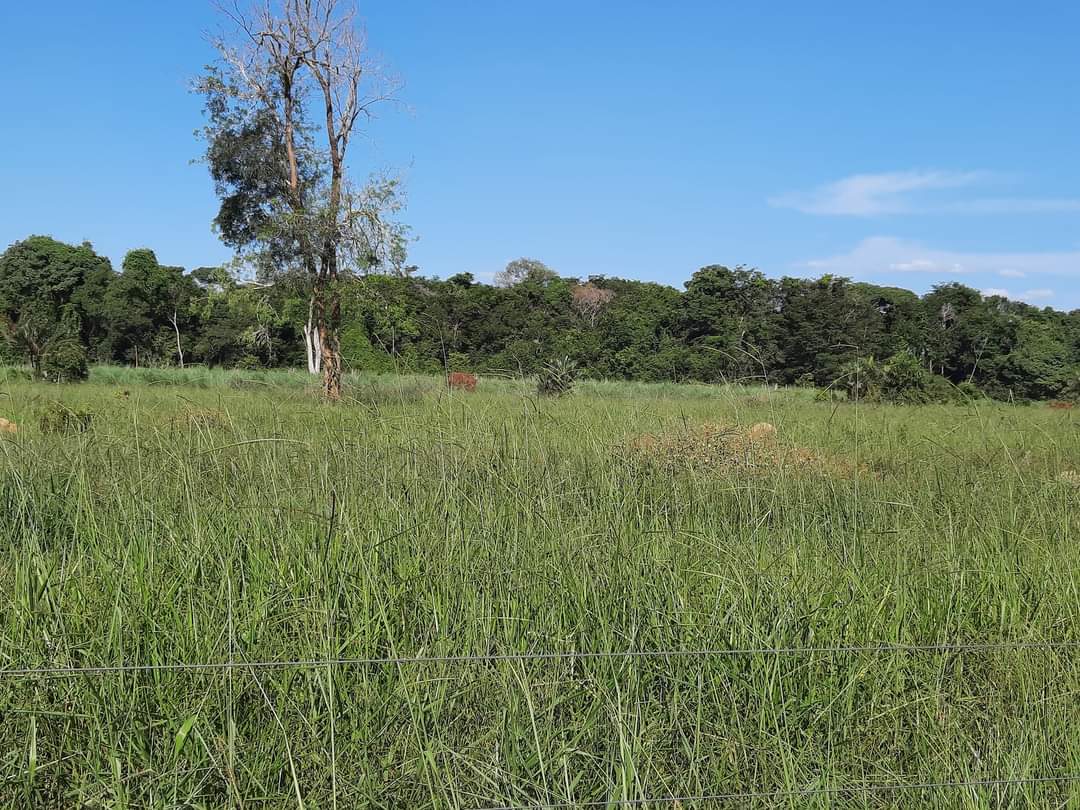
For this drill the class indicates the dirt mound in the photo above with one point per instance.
(461, 381)
(762, 431)
(734, 449)
(7, 426)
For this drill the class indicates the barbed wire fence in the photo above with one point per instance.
(1001, 782)
(672, 800)
(307, 663)
(795, 794)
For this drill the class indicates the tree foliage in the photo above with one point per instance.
(294, 84)
(521, 270)
(729, 324)
(50, 292)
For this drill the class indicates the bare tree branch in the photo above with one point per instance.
(285, 54)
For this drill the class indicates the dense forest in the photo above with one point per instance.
(63, 307)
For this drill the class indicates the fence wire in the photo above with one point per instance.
(799, 794)
(674, 800)
(311, 663)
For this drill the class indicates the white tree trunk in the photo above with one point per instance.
(313, 346)
(179, 350)
(312, 340)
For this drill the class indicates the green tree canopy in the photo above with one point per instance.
(51, 290)
(141, 306)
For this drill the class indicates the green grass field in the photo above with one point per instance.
(231, 518)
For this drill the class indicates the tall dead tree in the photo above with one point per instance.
(294, 83)
(590, 300)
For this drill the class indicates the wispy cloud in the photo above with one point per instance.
(914, 192)
(1009, 205)
(870, 194)
(888, 256)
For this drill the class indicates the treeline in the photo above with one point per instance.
(64, 306)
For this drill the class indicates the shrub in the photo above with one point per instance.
(249, 362)
(9, 355)
(357, 352)
(862, 379)
(65, 361)
(58, 418)
(457, 360)
(1071, 391)
(556, 378)
(941, 390)
(901, 379)
(965, 391)
(15, 374)
(905, 380)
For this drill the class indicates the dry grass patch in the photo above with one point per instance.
(1070, 477)
(733, 449)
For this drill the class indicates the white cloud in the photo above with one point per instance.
(870, 194)
(913, 192)
(886, 255)
(992, 291)
(913, 266)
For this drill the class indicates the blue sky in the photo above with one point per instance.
(906, 143)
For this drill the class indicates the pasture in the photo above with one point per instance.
(423, 598)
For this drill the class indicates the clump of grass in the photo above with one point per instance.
(757, 401)
(383, 393)
(64, 420)
(248, 380)
(199, 377)
(201, 419)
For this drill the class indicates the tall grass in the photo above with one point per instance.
(203, 519)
